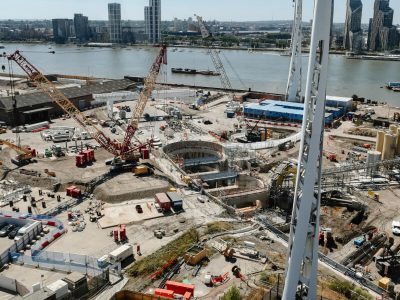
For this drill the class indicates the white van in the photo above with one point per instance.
(25, 230)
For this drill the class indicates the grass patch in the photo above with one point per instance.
(232, 294)
(216, 227)
(256, 294)
(271, 279)
(349, 290)
(159, 258)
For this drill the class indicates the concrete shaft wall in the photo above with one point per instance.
(194, 149)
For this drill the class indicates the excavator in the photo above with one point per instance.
(24, 154)
(124, 152)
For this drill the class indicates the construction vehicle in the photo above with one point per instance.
(330, 156)
(213, 281)
(48, 153)
(123, 152)
(142, 170)
(373, 195)
(228, 252)
(236, 271)
(57, 151)
(24, 154)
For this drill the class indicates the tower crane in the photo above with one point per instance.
(293, 90)
(123, 150)
(302, 261)
(216, 59)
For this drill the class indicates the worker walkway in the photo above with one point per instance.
(219, 176)
(203, 161)
(266, 144)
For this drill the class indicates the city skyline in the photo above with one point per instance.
(235, 11)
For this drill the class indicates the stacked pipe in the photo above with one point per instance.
(365, 252)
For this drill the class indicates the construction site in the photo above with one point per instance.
(134, 189)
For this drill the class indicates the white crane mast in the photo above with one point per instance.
(302, 263)
(293, 90)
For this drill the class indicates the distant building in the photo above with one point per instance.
(332, 14)
(128, 34)
(369, 33)
(353, 34)
(81, 24)
(114, 22)
(152, 17)
(62, 30)
(384, 35)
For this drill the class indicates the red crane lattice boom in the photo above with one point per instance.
(112, 146)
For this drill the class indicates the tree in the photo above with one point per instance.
(232, 294)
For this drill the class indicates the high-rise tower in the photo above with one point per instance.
(353, 35)
(384, 35)
(62, 30)
(81, 24)
(114, 22)
(152, 17)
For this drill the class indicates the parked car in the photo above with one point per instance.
(6, 230)
(13, 233)
(139, 209)
(396, 227)
(3, 225)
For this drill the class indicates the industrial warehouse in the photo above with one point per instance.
(294, 112)
(136, 188)
(38, 106)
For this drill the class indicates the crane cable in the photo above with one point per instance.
(234, 71)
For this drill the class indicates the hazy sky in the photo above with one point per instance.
(225, 10)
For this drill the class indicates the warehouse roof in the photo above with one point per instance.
(293, 108)
(27, 100)
(278, 106)
(283, 108)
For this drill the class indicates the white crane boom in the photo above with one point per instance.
(216, 59)
(302, 262)
(293, 90)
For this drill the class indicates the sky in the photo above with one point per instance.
(223, 10)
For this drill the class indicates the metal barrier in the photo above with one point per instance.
(64, 262)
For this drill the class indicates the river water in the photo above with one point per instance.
(261, 71)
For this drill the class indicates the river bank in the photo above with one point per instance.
(260, 71)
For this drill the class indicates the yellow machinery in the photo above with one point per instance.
(24, 154)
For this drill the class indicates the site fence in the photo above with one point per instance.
(64, 262)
